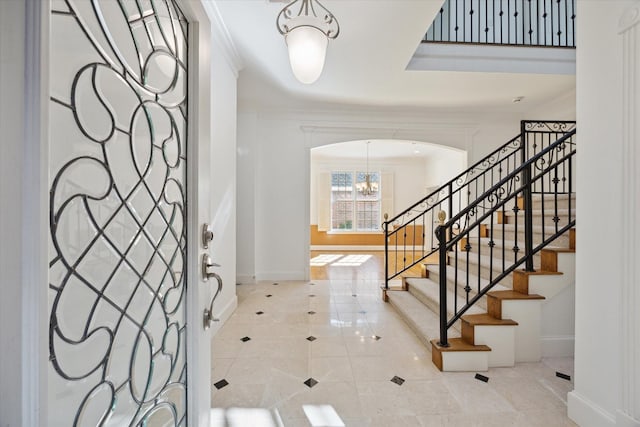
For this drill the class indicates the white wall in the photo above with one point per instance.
(274, 171)
(444, 166)
(245, 212)
(599, 392)
(489, 136)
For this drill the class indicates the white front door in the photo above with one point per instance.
(121, 255)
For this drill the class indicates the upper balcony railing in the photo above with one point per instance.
(539, 23)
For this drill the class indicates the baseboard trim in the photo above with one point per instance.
(347, 248)
(557, 346)
(624, 420)
(586, 413)
(224, 315)
(245, 279)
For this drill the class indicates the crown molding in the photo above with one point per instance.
(220, 33)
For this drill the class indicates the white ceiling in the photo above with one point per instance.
(366, 64)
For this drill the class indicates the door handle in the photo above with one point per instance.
(207, 264)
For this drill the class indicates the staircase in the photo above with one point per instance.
(505, 257)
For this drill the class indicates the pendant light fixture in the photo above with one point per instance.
(367, 188)
(307, 27)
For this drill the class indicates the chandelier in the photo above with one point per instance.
(307, 27)
(367, 187)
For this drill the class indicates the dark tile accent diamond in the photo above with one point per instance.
(259, 312)
(362, 312)
(311, 312)
(311, 338)
(482, 378)
(375, 337)
(563, 376)
(397, 380)
(311, 295)
(312, 284)
(310, 382)
(275, 284)
(354, 295)
(269, 296)
(245, 339)
(220, 384)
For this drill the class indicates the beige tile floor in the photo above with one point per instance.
(353, 368)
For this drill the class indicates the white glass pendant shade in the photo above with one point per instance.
(307, 50)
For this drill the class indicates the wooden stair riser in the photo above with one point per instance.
(454, 359)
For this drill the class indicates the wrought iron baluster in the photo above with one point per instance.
(573, 22)
(442, 244)
(457, 27)
(385, 227)
(544, 22)
(570, 187)
(555, 207)
(486, 21)
(471, 11)
(479, 256)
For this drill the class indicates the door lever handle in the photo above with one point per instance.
(207, 265)
(208, 312)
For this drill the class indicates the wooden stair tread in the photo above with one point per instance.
(513, 295)
(559, 250)
(485, 319)
(539, 272)
(458, 344)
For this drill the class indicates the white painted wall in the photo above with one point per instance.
(489, 136)
(443, 167)
(274, 170)
(598, 393)
(563, 107)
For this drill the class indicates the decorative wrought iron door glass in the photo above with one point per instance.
(117, 241)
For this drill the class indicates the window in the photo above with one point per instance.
(355, 207)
